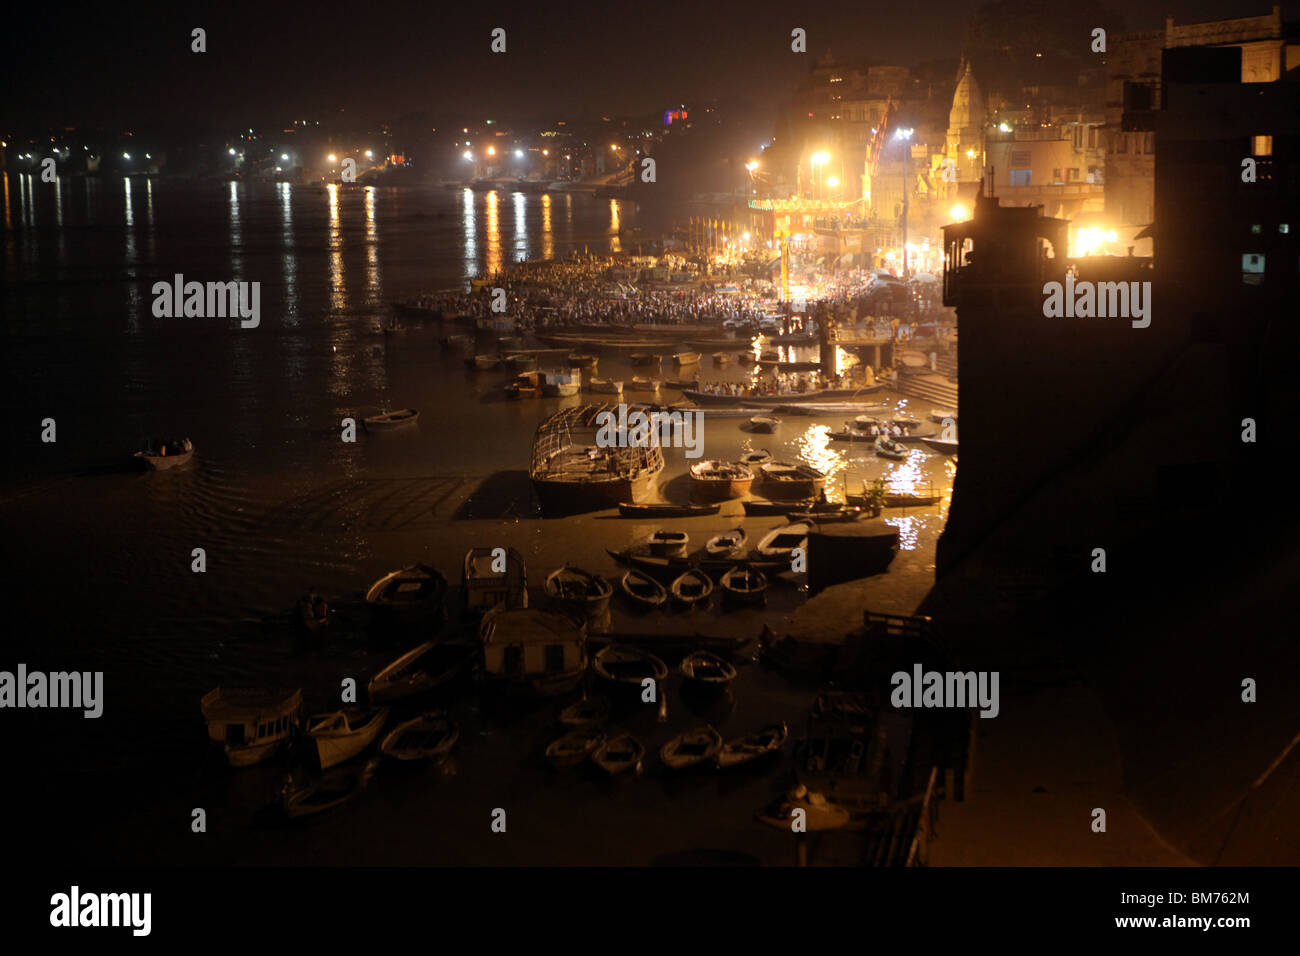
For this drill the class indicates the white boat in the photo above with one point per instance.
(686, 358)
(428, 737)
(756, 458)
(668, 544)
(690, 748)
(410, 594)
(642, 384)
(345, 733)
(250, 724)
(163, 454)
(779, 542)
(726, 544)
(386, 421)
(764, 424)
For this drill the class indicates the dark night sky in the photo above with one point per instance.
(129, 65)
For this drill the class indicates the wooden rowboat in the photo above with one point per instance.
(624, 664)
(345, 733)
(692, 588)
(588, 712)
(643, 591)
(428, 737)
(574, 747)
(619, 754)
(630, 509)
(706, 668)
(727, 543)
(744, 585)
(690, 748)
(389, 420)
(752, 747)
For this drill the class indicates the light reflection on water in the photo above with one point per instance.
(494, 255)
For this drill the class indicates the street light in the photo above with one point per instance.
(332, 158)
(819, 159)
(492, 150)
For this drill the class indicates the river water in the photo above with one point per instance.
(99, 556)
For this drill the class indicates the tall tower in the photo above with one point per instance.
(966, 126)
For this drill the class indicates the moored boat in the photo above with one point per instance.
(619, 754)
(721, 358)
(717, 480)
(743, 584)
(483, 363)
(332, 790)
(785, 480)
(386, 421)
(727, 543)
(410, 594)
(624, 664)
(690, 748)
(686, 358)
(427, 667)
(668, 544)
(703, 667)
(657, 509)
(778, 543)
(250, 724)
(941, 415)
(642, 384)
(574, 470)
(582, 360)
(574, 747)
(642, 590)
(751, 747)
(605, 386)
(756, 458)
(587, 712)
(768, 509)
(942, 446)
(764, 424)
(343, 734)
(525, 385)
(427, 737)
(692, 588)
(643, 358)
(579, 590)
